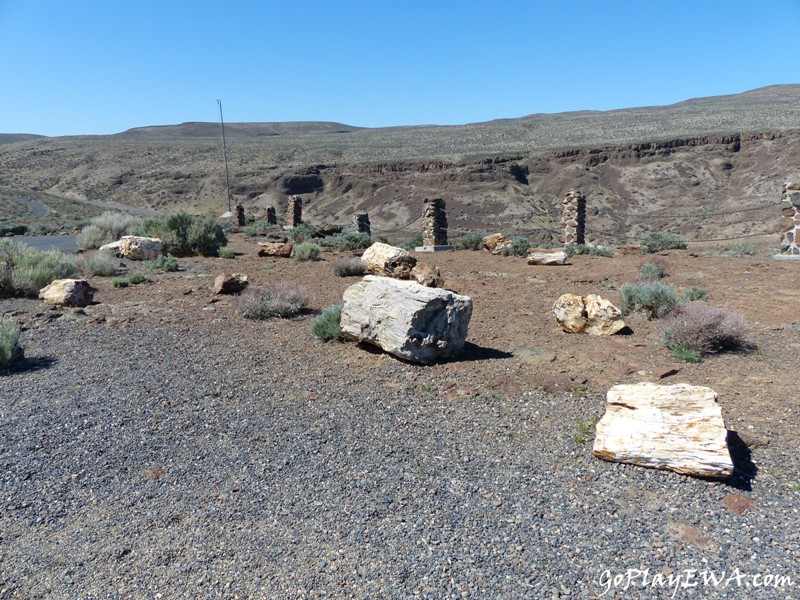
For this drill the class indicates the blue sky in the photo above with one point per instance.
(91, 67)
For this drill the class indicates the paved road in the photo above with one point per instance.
(65, 243)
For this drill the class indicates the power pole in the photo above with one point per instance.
(225, 153)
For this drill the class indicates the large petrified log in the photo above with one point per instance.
(404, 318)
(389, 261)
(280, 249)
(587, 314)
(134, 247)
(539, 257)
(675, 427)
(67, 292)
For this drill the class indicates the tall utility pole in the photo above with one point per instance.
(225, 153)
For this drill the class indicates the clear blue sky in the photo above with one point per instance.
(96, 67)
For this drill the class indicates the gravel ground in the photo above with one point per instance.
(242, 460)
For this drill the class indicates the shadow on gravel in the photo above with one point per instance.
(474, 352)
(29, 365)
(744, 470)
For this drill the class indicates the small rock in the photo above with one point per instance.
(689, 534)
(134, 247)
(547, 258)
(279, 249)
(587, 314)
(496, 242)
(737, 503)
(235, 283)
(427, 275)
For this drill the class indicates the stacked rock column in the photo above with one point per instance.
(790, 236)
(294, 213)
(434, 223)
(361, 223)
(573, 218)
(272, 218)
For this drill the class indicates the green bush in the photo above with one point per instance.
(226, 252)
(153, 227)
(656, 241)
(10, 350)
(301, 233)
(349, 267)
(326, 326)
(519, 247)
(205, 237)
(120, 282)
(591, 249)
(106, 228)
(137, 278)
(24, 271)
(165, 262)
(695, 293)
(272, 301)
(651, 272)
(349, 240)
(178, 225)
(6, 229)
(258, 228)
(471, 241)
(687, 354)
(703, 328)
(746, 248)
(97, 264)
(306, 251)
(655, 299)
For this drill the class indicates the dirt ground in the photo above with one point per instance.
(514, 343)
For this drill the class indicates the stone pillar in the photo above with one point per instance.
(240, 215)
(434, 223)
(294, 213)
(272, 219)
(790, 231)
(361, 223)
(573, 218)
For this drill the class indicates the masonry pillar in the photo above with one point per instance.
(573, 218)
(434, 223)
(294, 213)
(240, 215)
(790, 231)
(272, 218)
(361, 223)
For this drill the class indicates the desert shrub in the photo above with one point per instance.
(349, 240)
(415, 241)
(651, 271)
(655, 299)
(656, 241)
(120, 282)
(349, 267)
(746, 248)
(205, 236)
(306, 251)
(695, 293)
(137, 278)
(272, 301)
(177, 243)
(590, 249)
(687, 354)
(471, 241)
(703, 328)
(10, 350)
(154, 227)
(106, 228)
(326, 326)
(98, 264)
(25, 270)
(226, 252)
(258, 228)
(165, 262)
(519, 247)
(301, 233)
(6, 229)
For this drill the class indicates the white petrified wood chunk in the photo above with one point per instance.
(547, 258)
(496, 243)
(675, 427)
(587, 314)
(67, 292)
(135, 247)
(404, 318)
(388, 261)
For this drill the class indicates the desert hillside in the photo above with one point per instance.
(706, 168)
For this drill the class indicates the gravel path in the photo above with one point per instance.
(152, 459)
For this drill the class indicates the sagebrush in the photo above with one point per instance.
(519, 247)
(283, 301)
(471, 241)
(106, 228)
(349, 240)
(349, 267)
(654, 298)
(326, 327)
(590, 249)
(656, 241)
(97, 264)
(10, 350)
(306, 251)
(703, 328)
(24, 270)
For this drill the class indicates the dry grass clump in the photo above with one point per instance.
(349, 267)
(306, 251)
(98, 264)
(284, 301)
(10, 350)
(24, 270)
(703, 328)
(106, 228)
(653, 298)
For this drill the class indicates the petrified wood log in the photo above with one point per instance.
(388, 261)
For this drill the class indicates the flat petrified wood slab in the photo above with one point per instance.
(676, 427)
